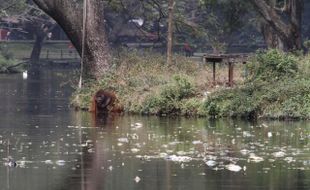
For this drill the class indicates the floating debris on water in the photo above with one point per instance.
(279, 154)
(197, 142)
(136, 126)
(211, 163)
(254, 158)
(134, 150)
(137, 179)
(175, 158)
(60, 162)
(233, 167)
(244, 151)
(289, 159)
(246, 134)
(48, 162)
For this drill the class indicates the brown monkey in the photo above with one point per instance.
(104, 101)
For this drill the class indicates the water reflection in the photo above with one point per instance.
(57, 148)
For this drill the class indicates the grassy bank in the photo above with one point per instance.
(277, 86)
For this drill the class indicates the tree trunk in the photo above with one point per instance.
(282, 28)
(270, 36)
(36, 50)
(170, 32)
(69, 15)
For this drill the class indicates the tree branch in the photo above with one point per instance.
(271, 17)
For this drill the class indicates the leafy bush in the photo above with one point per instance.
(6, 59)
(6, 54)
(273, 65)
(307, 44)
(5, 63)
(279, 87)
(170, 96)
(191, 107)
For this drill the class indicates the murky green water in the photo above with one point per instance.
(58, 148)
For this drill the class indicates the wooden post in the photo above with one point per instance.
(214, 80)
(230, 74)
(61, 54)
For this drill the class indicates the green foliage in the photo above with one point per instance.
(170, 96)
(6, 59)
(192, 107)
(307, 44)
(273, 65)
(279, 87)
(9, 8)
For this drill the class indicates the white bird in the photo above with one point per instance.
(25, 75)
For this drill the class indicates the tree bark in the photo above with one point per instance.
(69, 15)
(170, 32)
(282, 28)
(37, 46)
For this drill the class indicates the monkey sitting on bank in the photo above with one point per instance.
(104, 101)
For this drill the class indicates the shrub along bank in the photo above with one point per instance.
(7, 61)
(277, 86)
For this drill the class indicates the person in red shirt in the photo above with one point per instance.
(188, 50)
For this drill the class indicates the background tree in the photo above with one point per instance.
(282, 23)
(39, 25)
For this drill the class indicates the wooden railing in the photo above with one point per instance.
(230, 59)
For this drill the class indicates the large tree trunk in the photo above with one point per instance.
(282, 27)
(69, 15)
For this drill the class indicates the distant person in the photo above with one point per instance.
(188, 50)
(70, 47)
(49, 36)
(8, 35)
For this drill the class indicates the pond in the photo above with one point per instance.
(56, 147)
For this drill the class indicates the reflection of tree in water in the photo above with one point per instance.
(34, 90)
(44, 91)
